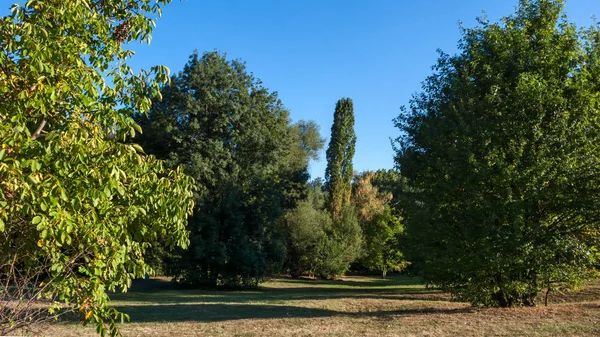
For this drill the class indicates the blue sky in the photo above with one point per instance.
(315, 52)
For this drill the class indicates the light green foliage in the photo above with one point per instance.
(500, 154)
(72, 194)
(382, 241)
(340, 152)
(381, 227)
(304, 230)
(315, 243)
(343, 245)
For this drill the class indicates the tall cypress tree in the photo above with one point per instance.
(338, 174)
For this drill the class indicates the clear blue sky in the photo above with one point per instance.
(314, 52)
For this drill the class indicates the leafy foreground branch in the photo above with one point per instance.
(78, 207)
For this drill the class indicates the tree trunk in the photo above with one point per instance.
(383, 273)
(501, 299)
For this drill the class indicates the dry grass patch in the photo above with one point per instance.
(354, 306)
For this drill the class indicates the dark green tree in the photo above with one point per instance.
(305, 143)
(250, 164)
(500, 154)
(339, 171)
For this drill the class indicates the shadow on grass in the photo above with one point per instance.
(163, 292)
(297, 294)
(162, 301)
(353, 281)
(223, 312)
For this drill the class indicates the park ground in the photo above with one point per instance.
(353, 306)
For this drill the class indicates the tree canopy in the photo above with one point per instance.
(340, 152)
(75, 200)
(379, 220)
(500, 156)
(250, 164)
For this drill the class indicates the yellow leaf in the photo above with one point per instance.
(88, 315)
(40, 243)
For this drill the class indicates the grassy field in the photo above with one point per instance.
(354, 306)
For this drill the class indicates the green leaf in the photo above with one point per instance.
(107, 192)
(54, 179)
(138, 148)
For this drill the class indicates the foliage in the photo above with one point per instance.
(340, 152)
(383, 243)
(76, 202)
(304, 229)
(305, 142)
(381, 228)
(234, 137)
(390, 181)
(500, 154)
(316, 244)
(343, 245)
(367, 199)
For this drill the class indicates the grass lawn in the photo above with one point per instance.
(354, 306)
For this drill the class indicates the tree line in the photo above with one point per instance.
(256, 210)
(107, 176)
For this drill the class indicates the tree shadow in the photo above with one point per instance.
(299, 294)
(163, 301)
(224, 312)
(162, 292)
(357, 281)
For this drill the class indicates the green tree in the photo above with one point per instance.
(304, 230)
(77, 205)
(344, 237)
(340, 152)
(383, 237)
(305, 142)
(343, 245)
(234, 137)
(381, 227)
(315, 243)
(500, 155)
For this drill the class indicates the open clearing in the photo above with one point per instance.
(354, 306)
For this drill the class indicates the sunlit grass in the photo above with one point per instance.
(354, 306)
